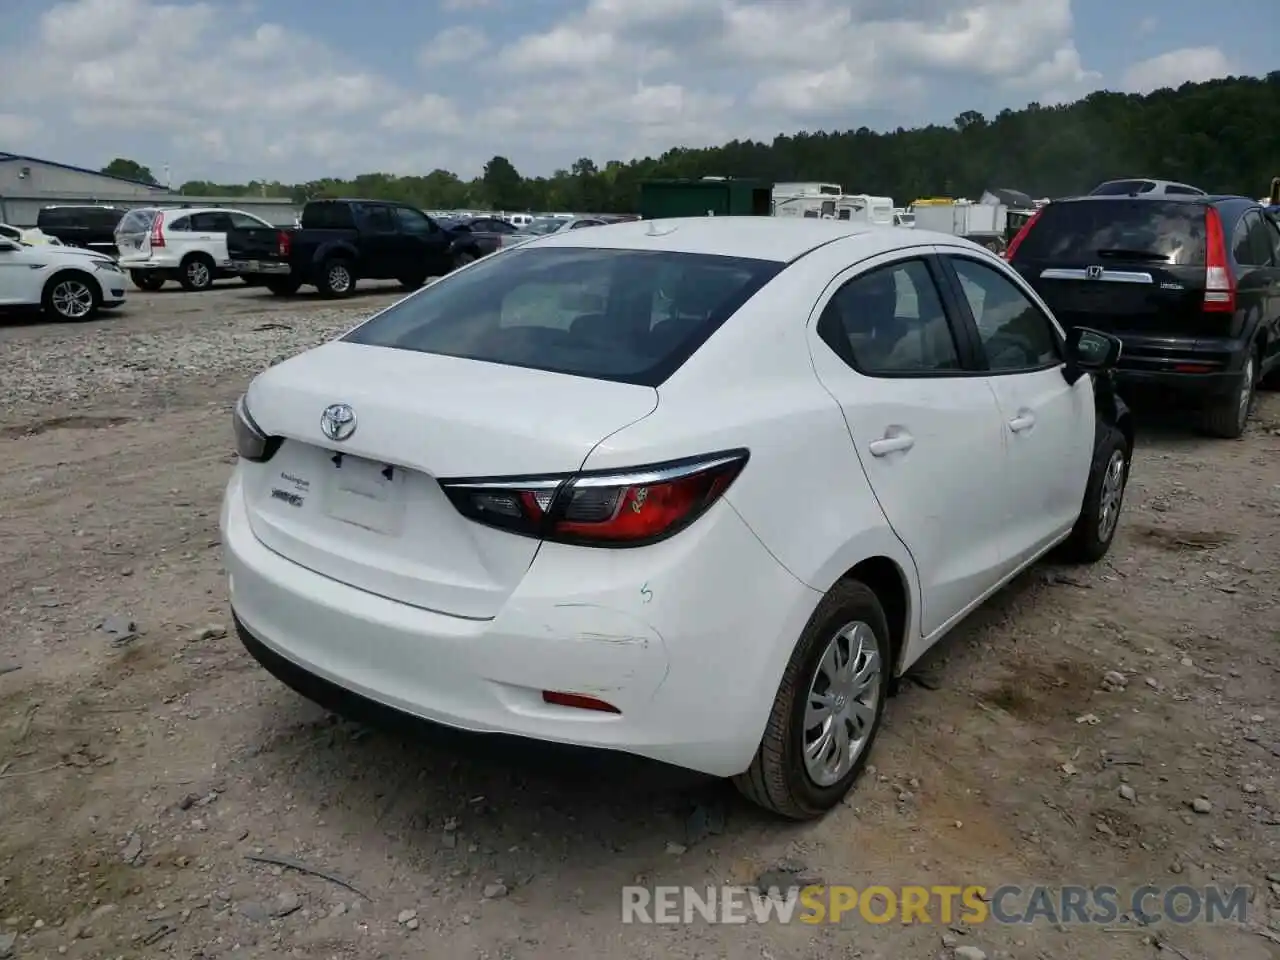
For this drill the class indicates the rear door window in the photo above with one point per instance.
(212, 221)
(1095, 231)
(890, 322)
(377, 219)
(55, 217)
(243, 221)
(626, 315)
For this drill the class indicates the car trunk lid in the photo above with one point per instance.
(368, 511)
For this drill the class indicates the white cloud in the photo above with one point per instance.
(453, 45)
(1172, 69)
(220, 91)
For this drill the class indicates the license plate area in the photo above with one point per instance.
(365, 493)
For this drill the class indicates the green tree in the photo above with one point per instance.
(1223, 135)
(130, 170)
(503, 184)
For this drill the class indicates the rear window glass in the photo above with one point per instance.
(137, 221)
(626, 315)
(1086, 232)
(327, 216)
(55, 217)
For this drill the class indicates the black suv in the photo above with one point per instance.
(1190, 284)
(91, 226)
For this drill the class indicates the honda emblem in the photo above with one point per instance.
(1093, 273)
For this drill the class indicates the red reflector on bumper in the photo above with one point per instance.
(578, 701)
(1193, 368)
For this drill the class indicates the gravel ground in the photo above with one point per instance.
(1116, 725)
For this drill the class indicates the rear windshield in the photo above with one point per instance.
(1084, 231)
(625, 315)
(137, 221)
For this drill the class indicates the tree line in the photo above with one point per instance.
(1222, 135)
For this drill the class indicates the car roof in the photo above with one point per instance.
(780, 239)
(1199, 198)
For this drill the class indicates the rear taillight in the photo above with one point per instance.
(1022, 235)
(1219, 284)
(157, 231)
(284, 243)
(252, 443)
(616, 508)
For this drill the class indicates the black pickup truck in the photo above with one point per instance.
(340, 242)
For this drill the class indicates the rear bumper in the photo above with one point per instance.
(1202, 368)
(268, 268)
(148, 264)
(691, 653)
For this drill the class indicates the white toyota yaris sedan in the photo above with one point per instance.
(698, 490)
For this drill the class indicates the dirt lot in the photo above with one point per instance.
(138, 776)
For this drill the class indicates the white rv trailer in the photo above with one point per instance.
(859, 207)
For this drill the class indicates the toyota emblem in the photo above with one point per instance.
(338, 421)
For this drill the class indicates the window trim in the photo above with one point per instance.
(966, 312)
(959, 334)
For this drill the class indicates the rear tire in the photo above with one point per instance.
(196, 273)
(462, 258)
(1099, 518)
(337, 278)
(783, 778)
(412, 283)
(72, 297)
(1228, 418)
(146, 279)
(282, 288)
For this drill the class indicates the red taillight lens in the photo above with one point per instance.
(284, 243)
(1219, 284)
(157, 231)
(1022, 235)
(628, 508)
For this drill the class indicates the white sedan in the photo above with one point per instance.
(698, 490)
(67, 283)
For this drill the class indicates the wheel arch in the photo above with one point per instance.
(78, 272)
(886, 578)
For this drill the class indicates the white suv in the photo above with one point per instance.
(68, 283)
(187, 244)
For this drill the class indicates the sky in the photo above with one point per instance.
(293, 90)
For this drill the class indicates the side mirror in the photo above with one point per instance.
(1090, 350)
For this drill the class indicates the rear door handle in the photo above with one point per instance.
(1023, 421)
(891, 444)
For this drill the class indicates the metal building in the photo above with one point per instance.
(28, 183)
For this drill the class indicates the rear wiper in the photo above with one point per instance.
(1124, 253)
